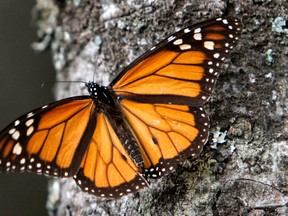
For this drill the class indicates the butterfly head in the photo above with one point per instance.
(101, 93)
(93, 88)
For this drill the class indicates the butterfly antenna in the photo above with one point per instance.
(53, 82)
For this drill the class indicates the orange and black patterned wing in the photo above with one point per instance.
(107, 170)
(47, 140)
(163, 92)
(165, 133)
(183, 68)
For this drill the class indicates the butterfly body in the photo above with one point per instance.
(108, 103)
(141, 126)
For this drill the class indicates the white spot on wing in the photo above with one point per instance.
(225, 21)
(197, 36)
(16, 122)
(22, 161)
(29, 122)
(16, 135)
(178, 42)
(187, 30)
(198, 30)
(216, 55)
(30, 130)
(11, 131)
(209, 45)
(17, 149)
(185, 46)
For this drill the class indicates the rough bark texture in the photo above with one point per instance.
(247, 175)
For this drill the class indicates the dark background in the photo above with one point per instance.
(22, 72)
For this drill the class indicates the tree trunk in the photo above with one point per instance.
(246, 175)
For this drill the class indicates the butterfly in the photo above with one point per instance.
(141, 126)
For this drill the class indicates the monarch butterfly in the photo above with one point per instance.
(139, 127)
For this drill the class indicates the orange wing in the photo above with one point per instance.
(183, 68)
(107, 170)
(165, 132)
(46, 140)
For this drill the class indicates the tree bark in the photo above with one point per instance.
(247, 175)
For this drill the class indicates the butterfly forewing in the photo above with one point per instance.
(183, 68)
(47, 140)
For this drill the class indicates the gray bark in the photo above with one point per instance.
(247, 175)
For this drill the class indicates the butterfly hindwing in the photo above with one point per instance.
(47, 140)
(107, 169)
(164, 132)
(183, 68)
